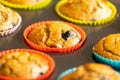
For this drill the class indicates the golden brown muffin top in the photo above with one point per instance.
(54, 34)
(8, 18)
(86, 9)
(21, 2)
(23, 65)
(109, 46)
(93, 71)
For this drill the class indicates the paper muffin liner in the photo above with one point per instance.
(113, 63)
(48, 49)
(48, 58)
(65, 73)
(70, 71)
(91, 23)
(13, 29)
(26, 6)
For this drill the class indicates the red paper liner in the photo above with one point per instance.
(48, 49)
(11, 30)
(45, 76)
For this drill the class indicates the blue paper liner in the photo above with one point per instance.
(66, 72)
(113, 63)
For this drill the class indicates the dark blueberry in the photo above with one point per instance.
(41, 73)
(66, 35)
(13, 24)
(3, 65)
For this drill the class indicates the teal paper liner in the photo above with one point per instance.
(65, 73)
(113, 63)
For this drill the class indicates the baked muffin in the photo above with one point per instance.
(9, 20)
(91, 71)
(25, 64)
(107, 50)
(26, 4)
(25, 1)
(54, 34)
(86, 11)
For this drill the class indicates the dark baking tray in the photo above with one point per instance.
(75, 58)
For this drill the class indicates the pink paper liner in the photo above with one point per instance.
(45, 76)
(48, 49)
(14, 28)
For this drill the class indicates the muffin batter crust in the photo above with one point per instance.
(23, 65)
(54, 34)
(8, 18)
(88, 10)
(25, 1)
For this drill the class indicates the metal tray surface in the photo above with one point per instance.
(75, 58)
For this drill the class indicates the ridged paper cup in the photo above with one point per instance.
(113, 63)
(48, 58)
(13, 29)
(65, 73)
(91, 23)
(48, 49)
(26, 6)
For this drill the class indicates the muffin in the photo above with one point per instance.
(54, 35)
(90, 71)
(25, 64)
(25, 1)
(26, 4)
(92, 12)
(9, 20)
(107, 50)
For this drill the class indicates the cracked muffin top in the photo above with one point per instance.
(25, 1)
(89, 10)
(8, 18)
(109, 46)
(23, 65)
(55, 34)
(92, 71)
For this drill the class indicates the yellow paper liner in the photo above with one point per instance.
(91, 23)
(25, 6)
(45, 76)
(14, 28)
(48, 49)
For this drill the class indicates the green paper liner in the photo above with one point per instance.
(91, 23)
(45, 76)
(26, 7)
(48, 49)
(14, 28)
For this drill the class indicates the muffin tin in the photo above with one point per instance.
(75, 58)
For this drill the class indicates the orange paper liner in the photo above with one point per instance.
(26, 6)
(45, 76)
(48, 49)
(91, 23)
(14, 28)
